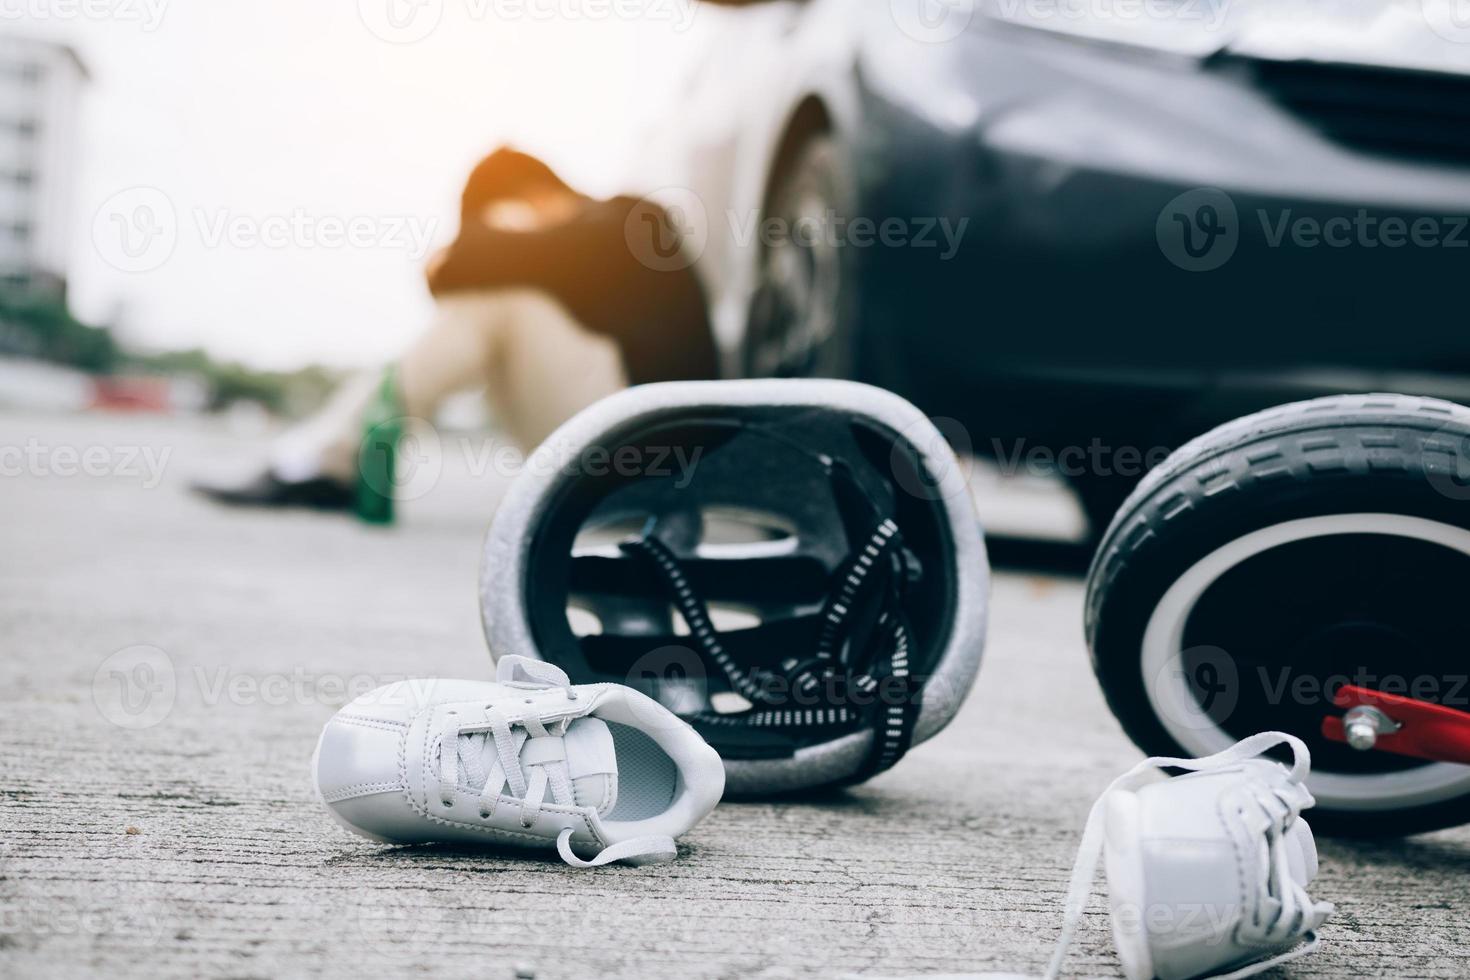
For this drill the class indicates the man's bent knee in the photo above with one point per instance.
(498, 303)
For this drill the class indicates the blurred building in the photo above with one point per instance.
(40, 90)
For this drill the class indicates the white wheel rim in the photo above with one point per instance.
(1179, 711)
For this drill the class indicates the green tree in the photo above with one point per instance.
(41, 326)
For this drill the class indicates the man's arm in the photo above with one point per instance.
(482, 257)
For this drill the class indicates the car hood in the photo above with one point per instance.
(1417, 35)
(1420, 35)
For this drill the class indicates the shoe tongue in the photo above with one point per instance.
(592, 764)
(586, 750)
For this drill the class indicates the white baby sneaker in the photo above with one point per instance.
(596, 770)
(1207, 872)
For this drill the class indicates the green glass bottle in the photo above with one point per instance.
(382, 427)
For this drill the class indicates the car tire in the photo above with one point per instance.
(800, 322)
(1274, 558)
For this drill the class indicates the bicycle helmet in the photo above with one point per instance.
(794, 567)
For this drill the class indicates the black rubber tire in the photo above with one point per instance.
(1380, 453)
(775, 343)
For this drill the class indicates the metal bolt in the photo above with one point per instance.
(1363, 724)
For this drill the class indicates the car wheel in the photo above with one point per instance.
(799, 323)
(1272, 560)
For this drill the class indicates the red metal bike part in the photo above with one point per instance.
(1425, 731)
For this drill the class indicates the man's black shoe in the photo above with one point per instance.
(269, 490)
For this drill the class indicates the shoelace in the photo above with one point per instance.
(545, 758)
(1286, 913)
(893, 721)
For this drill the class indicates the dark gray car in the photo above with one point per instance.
(1088, 229)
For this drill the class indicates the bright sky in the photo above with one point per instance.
(255, 135)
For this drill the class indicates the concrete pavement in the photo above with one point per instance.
(161, 822)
